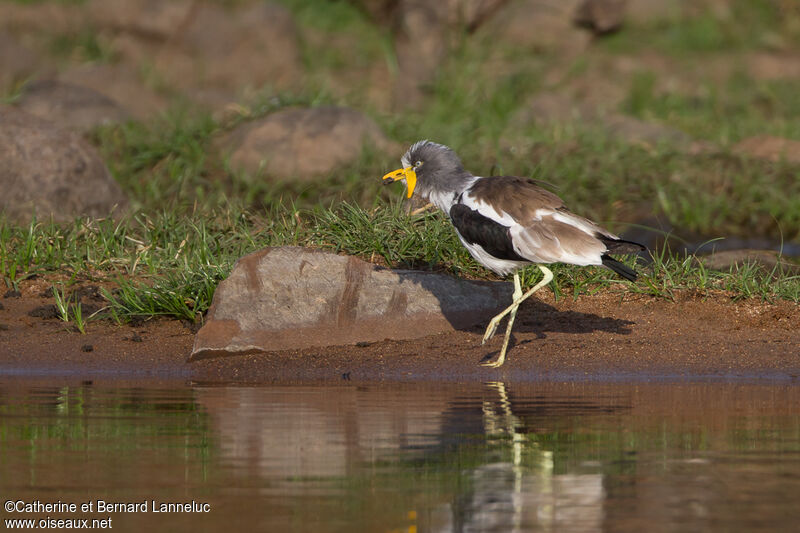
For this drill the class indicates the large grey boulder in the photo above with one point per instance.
(302, 143)
(51, 171)
(291, 298)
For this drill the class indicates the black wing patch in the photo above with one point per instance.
(492, 236)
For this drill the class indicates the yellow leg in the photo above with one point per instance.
(518, 298)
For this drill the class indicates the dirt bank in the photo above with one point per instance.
(599, 337)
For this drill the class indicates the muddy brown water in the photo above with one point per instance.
(495, 456)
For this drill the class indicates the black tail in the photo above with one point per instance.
(623, 270)
(618, 246)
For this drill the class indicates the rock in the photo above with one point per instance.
(553, 108)
(635, 131)
(252, 46)
(302, 143)
(467, 13)
(47, 18)
(51, 171)
(537, 25)
(768, 260)
(120, 83)
(16, 61)
(772, 66)
(149, 18)
(45, 312)
(600, 16)
(70, 106)
(292, 298)
(421, 46)
(769, 148)
(423, 33)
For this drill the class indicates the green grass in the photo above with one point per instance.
(724, 113)
(737, 25)
(84, 45)
(168, 265)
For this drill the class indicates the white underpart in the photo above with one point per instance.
(502, 267)
(528, 244)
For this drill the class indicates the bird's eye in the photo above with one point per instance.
(418, 164)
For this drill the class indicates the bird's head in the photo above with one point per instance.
(426, 166)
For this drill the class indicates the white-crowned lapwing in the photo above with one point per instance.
(507, 222)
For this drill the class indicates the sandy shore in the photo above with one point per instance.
(599, 337)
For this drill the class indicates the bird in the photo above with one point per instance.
(507, 223)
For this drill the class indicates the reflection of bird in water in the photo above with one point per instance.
(516, 488)
(505, 423)
(508, 222)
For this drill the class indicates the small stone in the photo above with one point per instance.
(90, 292)
(302, 143)
(635, 131)
(18, 62)
(537, 26)
(136, 338)
(45, 312)
(87, 348)
(49, 171)
(70, 106)
(601, 16)
(769, 148)
(120, 82)
(4, 327)
(553, 108)
(155, 19)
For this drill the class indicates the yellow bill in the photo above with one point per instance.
(407, 174)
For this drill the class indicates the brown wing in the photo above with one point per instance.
(519, 197)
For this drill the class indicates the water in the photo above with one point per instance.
(402, 458)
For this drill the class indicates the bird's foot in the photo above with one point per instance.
(491, 329)
(495, 364)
